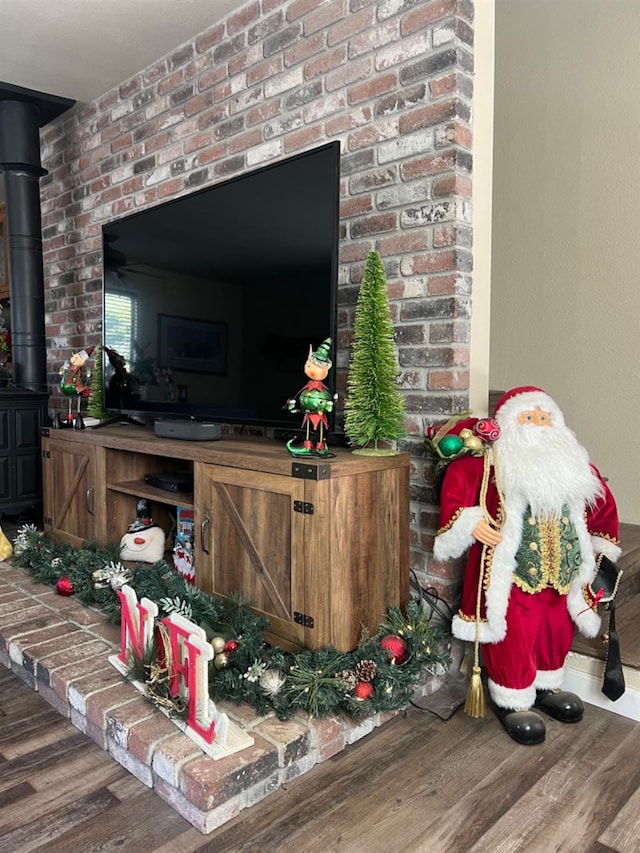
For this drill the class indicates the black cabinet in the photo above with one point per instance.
(22, 414)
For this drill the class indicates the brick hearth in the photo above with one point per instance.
(60, 648)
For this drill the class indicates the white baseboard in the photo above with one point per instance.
(583, 675)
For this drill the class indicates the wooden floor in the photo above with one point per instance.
(415, 785)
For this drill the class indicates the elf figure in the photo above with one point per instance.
(74, 381)
(531, 512)
(315, 400)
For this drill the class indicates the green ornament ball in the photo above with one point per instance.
(449, 445)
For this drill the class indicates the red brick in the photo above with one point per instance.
(65, 677)
(53, 699)
(427, 14)
(299, 140)
(145, 736)
(453, 185)
(170, 756)
(305, 48)
(412, 241)
(121, 720)
(269, 68)
(450, 380)
(361, 21)
(207, 783)
(290, 737)
(299, 8)
(356, 206)
(324, 16)
(210, 38)
(241, 19)
(328, 60)
(103, 702)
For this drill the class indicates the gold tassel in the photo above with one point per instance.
(474, 705)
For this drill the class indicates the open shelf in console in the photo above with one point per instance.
(126, 472)
(142, 489)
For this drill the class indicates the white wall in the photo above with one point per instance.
(483, 86)
(565, 304)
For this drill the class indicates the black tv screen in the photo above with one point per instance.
(212, 300)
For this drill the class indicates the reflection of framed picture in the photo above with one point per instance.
(196, 346)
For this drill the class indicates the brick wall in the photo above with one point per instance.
(392, 80)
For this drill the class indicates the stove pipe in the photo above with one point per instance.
(20, 164)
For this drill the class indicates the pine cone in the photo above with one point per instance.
(349, 678)
(366, 670)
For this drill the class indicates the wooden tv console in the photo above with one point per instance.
(319, 546)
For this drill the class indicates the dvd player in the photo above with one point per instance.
(171, 481)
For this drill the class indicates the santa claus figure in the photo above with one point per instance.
(532, 513)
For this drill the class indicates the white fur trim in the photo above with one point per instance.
(527, 401)
(465, 630)
(502, 568)
(604, 546)
(510, 697)
(459, 537)
(587, 620)
(549, 679)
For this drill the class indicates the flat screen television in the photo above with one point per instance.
(212, 300)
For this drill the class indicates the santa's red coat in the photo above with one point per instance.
(460, 511)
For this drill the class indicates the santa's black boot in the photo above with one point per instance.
(524, 726)
(561, 705)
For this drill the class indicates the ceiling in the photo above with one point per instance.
(81, 49)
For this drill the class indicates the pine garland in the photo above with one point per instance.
(317, 682)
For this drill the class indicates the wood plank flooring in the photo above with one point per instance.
(415, 785)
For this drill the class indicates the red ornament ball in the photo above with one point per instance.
(231, 646)
(395, 647)
(64, 586)
(363, 690)
(487, 429)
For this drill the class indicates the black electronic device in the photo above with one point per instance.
(171, 481)
(188, 430)
(212, 300)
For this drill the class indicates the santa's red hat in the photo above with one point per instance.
(523, 398)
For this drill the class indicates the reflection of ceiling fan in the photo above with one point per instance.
(116, 261)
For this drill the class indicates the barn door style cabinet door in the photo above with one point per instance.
(320, 547)
(321, 551)
(73, 489)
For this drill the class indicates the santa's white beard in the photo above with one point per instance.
(546, 466)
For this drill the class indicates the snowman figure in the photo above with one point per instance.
(144, 541)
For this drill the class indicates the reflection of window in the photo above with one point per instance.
(121, 324)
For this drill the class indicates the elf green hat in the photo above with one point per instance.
(321, 356)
